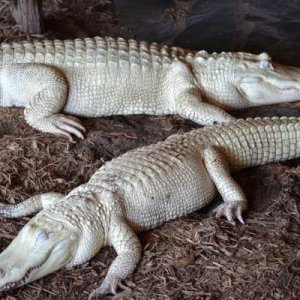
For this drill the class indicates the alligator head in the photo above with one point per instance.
(41, 247)
(237, 80)
(53, 239)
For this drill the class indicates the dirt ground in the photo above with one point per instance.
(194, 257)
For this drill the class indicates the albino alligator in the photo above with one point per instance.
(140, 190)
(105, 76)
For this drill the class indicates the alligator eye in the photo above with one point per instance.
(264, 64)
(42, 236)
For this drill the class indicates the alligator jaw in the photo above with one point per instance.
(43, 246)
(15, 284)
(277, 85)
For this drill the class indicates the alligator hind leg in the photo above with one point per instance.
(43, 90)
(234, 198)
(29, 206)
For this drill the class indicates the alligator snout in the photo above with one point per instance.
(288, 77)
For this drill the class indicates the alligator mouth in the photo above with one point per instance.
(288, 90)
(293, 87)
(276, 88)
(14, 284)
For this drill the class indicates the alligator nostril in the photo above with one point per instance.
(2, 273)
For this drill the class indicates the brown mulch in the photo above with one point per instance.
(194, 257)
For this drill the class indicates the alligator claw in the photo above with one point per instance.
(107, 287)
(64, 126)
(230, 210)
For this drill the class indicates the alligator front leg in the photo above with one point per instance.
(187, 101)
(43, 90)
(234, 198)
(128, 248)
(29, 206)
(190, 106)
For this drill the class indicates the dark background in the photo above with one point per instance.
(215, 25)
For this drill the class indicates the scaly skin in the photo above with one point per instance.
(105, 76)
(138, 191)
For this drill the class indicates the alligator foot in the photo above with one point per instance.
(64, 126)
(230, 210)
(107, 286)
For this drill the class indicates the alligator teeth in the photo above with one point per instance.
(20, 282)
